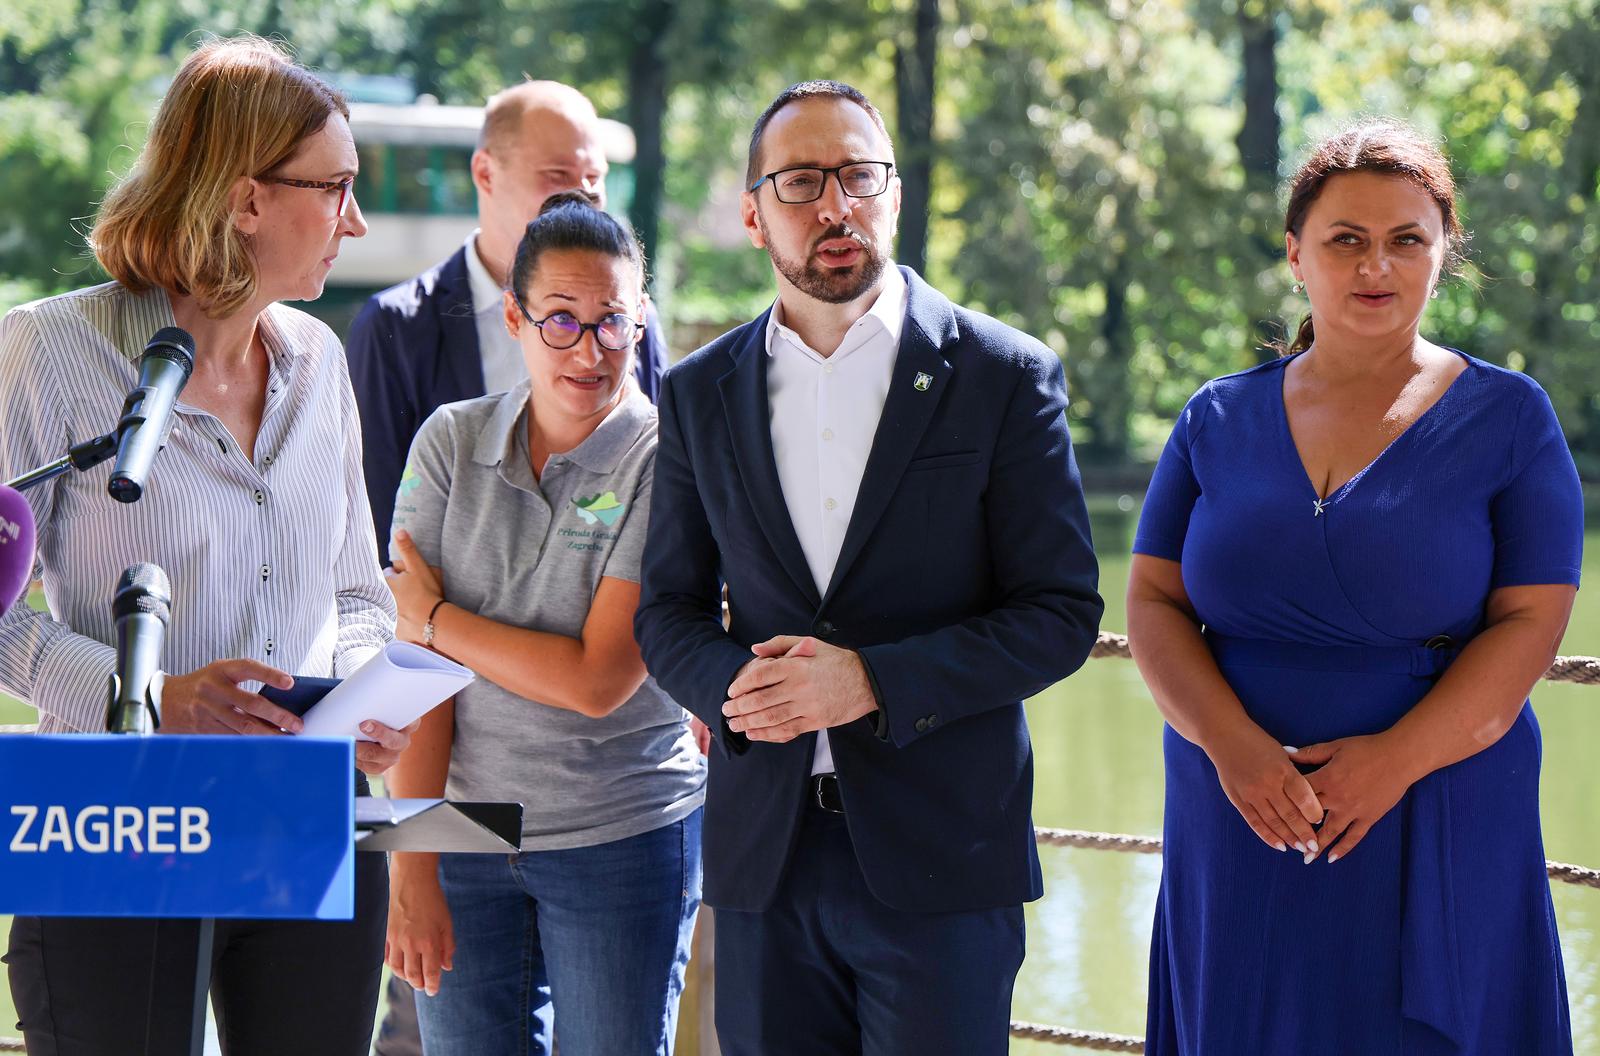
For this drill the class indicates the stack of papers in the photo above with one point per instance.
(396, 687)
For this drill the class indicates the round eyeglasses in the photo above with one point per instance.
(859, 179)
(561, 330)
(345, 187)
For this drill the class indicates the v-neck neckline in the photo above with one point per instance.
(1322, 502)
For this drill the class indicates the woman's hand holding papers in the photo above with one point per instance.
(380, 753)
(209, 700)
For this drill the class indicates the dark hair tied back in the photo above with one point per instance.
(1381, 145)
(573, 220)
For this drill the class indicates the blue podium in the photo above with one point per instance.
(207, 827)
(177, 826)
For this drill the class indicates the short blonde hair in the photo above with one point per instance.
(238, 107)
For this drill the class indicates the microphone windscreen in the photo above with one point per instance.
(174, 343)
(16, 545)
(143, 588)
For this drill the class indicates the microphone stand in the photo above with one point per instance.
(141, 718)
(81, 456)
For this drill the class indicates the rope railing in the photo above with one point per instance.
(1081, 1039)
(1115, 841)
(1582, 670)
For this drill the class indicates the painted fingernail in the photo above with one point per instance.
(1279, 846)
(1300, 847)
(1332, 858)
(368, 727)
(1308, 857)
(1312, 847)
(1286, 748)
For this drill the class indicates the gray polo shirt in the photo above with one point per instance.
(531, 553)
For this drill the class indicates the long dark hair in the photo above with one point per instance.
(1381, 145)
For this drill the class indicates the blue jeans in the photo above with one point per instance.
(599, 933)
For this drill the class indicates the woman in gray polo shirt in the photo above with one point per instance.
(518, 529)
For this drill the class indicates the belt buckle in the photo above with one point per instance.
(825, 793)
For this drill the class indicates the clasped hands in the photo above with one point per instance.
(797, 685)
(1330, 810)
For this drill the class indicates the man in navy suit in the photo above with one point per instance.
(440, 337)
(884, 483)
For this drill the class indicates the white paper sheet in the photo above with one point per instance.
(399, 685)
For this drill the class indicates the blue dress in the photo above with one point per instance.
(1436, 935)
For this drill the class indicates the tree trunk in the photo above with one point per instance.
(647, 109)
(1108, 384)
(914, 91)
(1258, 143)
(1259, 135)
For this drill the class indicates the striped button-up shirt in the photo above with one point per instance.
(270, 558)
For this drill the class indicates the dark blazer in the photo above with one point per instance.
(414, 347)
(966, 582)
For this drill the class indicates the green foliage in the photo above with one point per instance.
(1087, 181)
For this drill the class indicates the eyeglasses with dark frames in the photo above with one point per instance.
(345, 187)
(561, 330)
(805, 183)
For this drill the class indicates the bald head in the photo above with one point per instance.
(539, 138)
(510, 113)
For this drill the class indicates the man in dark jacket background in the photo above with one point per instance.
(439, 337)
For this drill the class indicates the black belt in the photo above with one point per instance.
(825, 793)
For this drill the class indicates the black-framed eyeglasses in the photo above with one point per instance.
(561, 330)
(805, 183)
(345, 187)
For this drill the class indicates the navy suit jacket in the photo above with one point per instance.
(966, 582)
(413, 348)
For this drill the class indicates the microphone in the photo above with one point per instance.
(164, 369)
(16, 545)
(141, 607)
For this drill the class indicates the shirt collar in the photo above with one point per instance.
(599, 452)
(487, 292)
(888, 312)
(132, 331)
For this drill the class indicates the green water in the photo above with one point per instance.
(1098, 747)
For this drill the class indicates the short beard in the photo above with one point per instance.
(829, 285)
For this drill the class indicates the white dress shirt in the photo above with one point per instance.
(825, 411)
(503, 365)
(271, 556)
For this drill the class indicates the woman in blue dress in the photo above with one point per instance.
(1352, 566)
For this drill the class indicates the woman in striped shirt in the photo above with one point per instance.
(255, 508)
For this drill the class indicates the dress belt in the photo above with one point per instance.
(1423, 661)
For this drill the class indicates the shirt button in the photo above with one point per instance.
(266, 570)
(269, 646)
(827, 434)
(827, 368)
(830, 504)
(267, 461)
(261, 497)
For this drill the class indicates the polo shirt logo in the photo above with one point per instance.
(600, 509)
(409, 482)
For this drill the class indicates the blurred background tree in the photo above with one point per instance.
(1105, 176)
